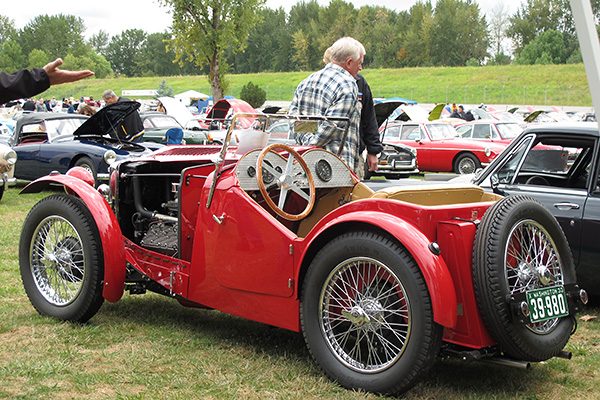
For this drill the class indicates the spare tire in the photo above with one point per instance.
(519, 246)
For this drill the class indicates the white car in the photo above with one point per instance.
(8, 158)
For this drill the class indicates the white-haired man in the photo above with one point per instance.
(332, 92)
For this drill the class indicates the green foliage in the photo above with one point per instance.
(7, 29)
(123, 51)
(164, 90)
(56, 35)
(37, 59)
(203, 30)
(254, 95)
(547, 48)
(11, 57)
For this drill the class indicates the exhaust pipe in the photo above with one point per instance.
(508, 362)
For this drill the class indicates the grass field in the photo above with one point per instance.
(150, 347)
(561, 85)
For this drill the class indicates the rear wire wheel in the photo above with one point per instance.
(366, 314)
(519, 246)
(61, 259)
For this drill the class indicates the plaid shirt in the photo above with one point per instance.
(330, 92)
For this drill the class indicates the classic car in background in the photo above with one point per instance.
(488, 130)
(557, 164)
(288, 236)
(438, 149)
(156, 125)
(47, 142)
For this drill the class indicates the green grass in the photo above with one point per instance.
(562, 85)
(150, 347)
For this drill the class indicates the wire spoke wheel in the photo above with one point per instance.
(532, 262)
(365, 315)
(57, 260)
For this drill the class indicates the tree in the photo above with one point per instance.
(56, 35)
(254, 95)
(498, 24)
(37, 59)
(547, 48)
(123, 51)
(100, 41)
(11, 57)
(164, 90)
(202, 30)
(7, 29)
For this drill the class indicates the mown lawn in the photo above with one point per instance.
(150, 347)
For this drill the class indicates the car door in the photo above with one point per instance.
(588, 270)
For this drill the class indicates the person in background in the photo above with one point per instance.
(86, 110)
(27, 83)
(368, 130)
(332, 92)
(132, 129)
(459, 113)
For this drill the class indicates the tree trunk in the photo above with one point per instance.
(215, 77)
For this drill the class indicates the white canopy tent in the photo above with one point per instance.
(189, 95)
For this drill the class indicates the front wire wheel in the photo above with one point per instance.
(61, 259)
(366, 314)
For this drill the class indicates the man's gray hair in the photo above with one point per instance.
(346, 48)
(108, 94)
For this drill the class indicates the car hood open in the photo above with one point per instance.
(106, 120)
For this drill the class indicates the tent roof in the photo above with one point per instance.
(191, 94)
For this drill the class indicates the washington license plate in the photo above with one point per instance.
(547, 303)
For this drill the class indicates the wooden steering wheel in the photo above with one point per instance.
(286, 181)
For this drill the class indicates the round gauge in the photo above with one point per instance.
(324, 171)
(268, 177)
(251, 171)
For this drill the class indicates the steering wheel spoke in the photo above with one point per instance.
(287, 181)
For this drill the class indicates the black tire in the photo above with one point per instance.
(1, 191)
(86, 162)
(501, 266)
(389, 302)
(61, 259)
(466, 163)
(368, 174)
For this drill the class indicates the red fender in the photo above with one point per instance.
(110, 232)
(435, 271)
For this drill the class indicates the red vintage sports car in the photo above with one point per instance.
(379, 283)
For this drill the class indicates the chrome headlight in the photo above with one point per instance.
(488, 151)
(110, 157)
(10, 156)
(413, 151)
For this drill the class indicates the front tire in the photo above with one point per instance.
(366, 314)
(466, 163)
(519, 246)
(86, 163)
(61, 259)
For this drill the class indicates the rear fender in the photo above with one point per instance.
(110, 233)
(435, 271)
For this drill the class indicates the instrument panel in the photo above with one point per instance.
(327, 169)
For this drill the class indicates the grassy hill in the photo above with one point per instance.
(562, 85)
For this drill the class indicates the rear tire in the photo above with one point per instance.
(519, 246)
(61, 259)
(366, 314)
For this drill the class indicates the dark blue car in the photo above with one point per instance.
(559, 165)
(46, 142)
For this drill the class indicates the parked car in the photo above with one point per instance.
(288, 236)
(438, 149)
(47, 142)
(557, 164)
(156, 125)
(8, 158)
(488, 130)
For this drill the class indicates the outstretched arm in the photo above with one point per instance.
(58, 76)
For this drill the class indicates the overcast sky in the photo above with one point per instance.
(115, 16)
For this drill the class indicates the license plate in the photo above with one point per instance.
(547, 303)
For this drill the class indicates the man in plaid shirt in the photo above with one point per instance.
(332, 92)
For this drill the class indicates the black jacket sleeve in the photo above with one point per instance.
(369, 131)
(23, 83)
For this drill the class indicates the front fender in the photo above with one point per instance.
(435, 271)
(108, 227)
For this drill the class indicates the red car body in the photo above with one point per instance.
(438, 149)
(489, 130)
(374, 280)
